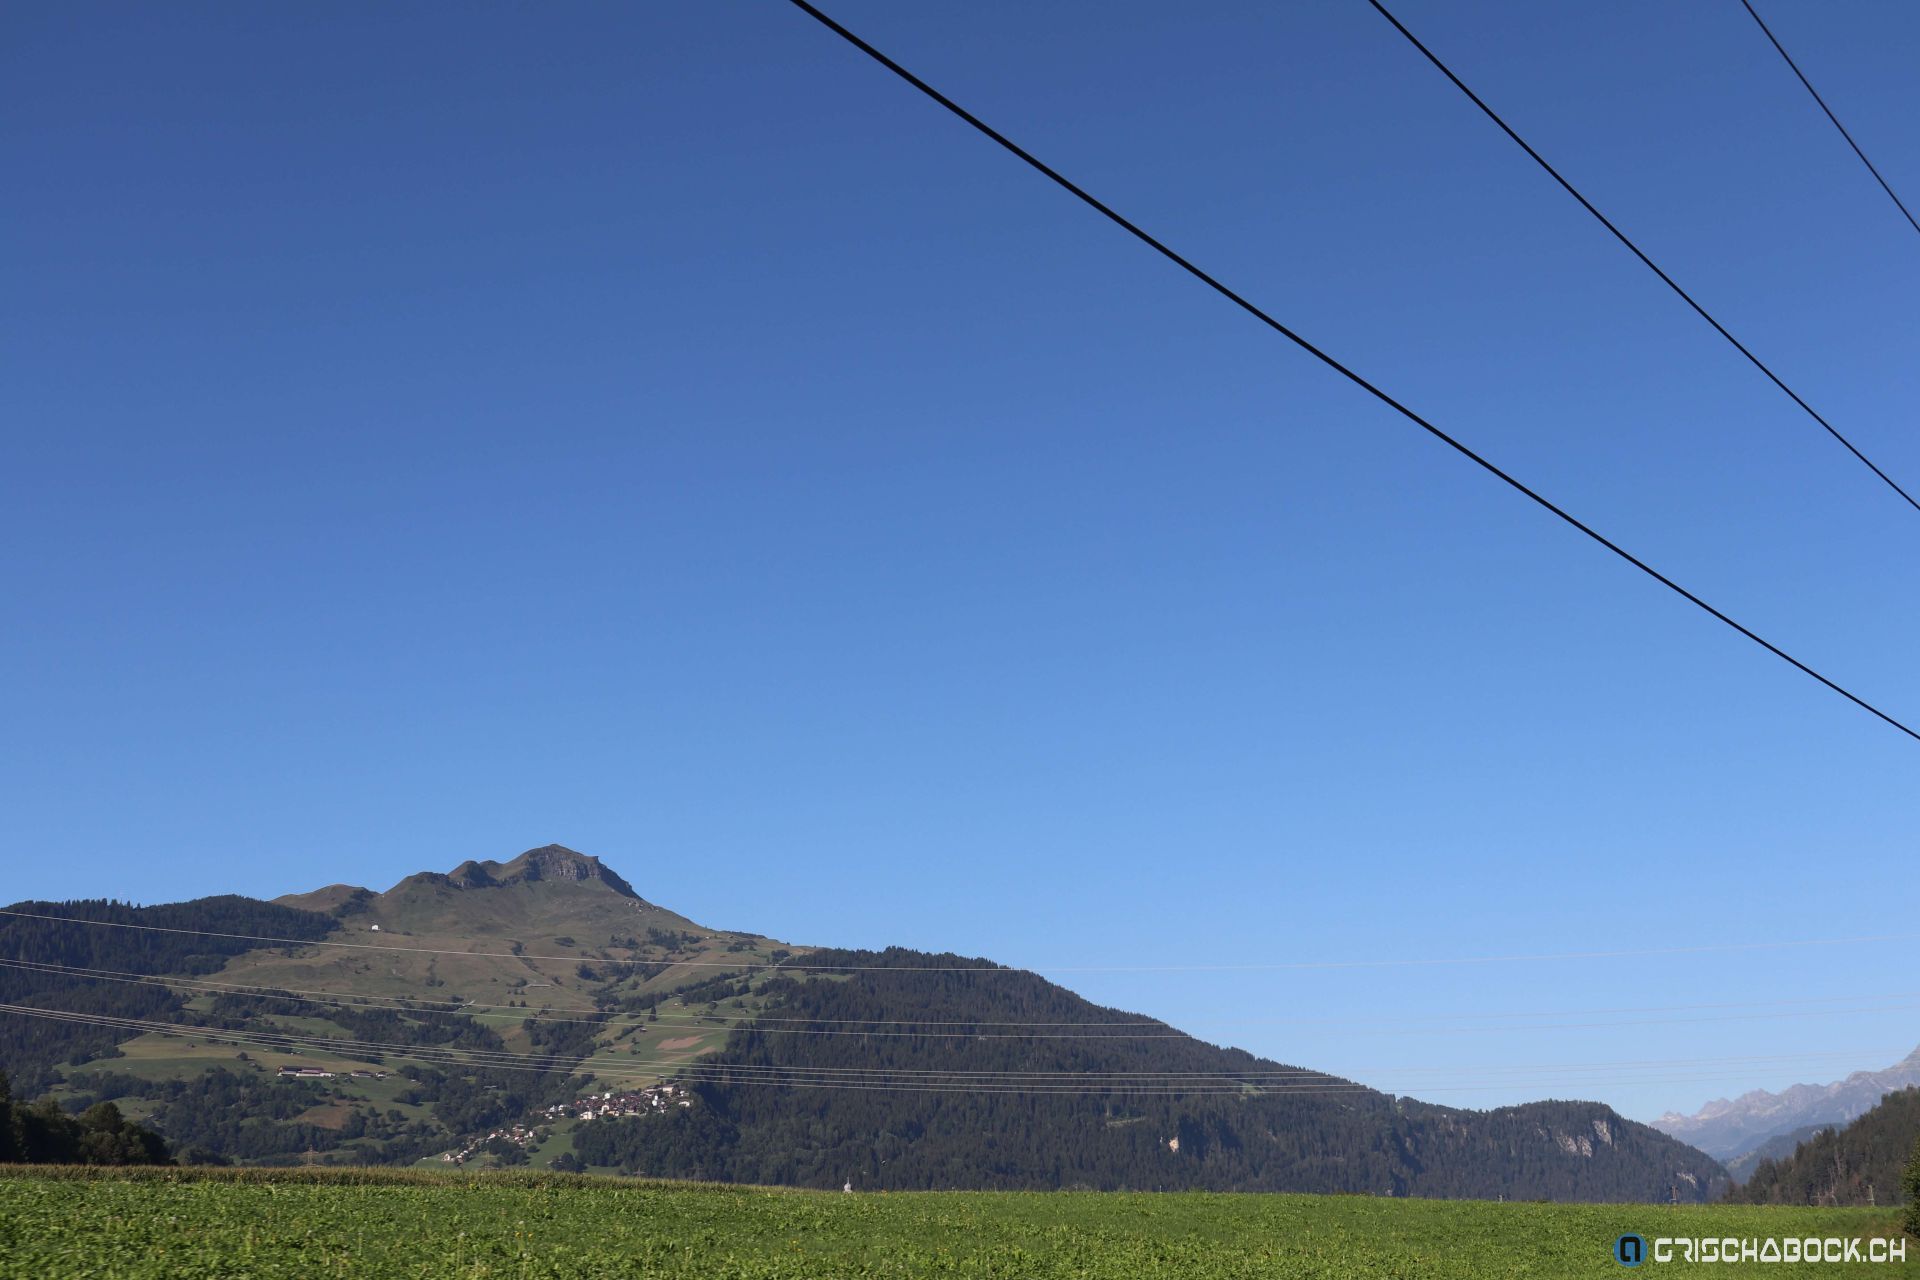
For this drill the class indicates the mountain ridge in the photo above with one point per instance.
(447, 982)
(1860, 1163)
(1732, 1128)
(1238, 1122)
(548, 862)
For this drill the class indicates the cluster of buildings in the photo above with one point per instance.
(518, 1134)
(637, 1102)
(318, 1073)
(595, 1106)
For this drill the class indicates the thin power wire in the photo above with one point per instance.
(1280, 1081)
(690, 1023)
(1637, 252)
(1775, 42)
(1597, 1076)
(1106, 211)
(801, 966)
(885, 1028)
(1472, 1023)
(1277, 1071)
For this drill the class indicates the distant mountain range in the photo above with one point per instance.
(1862, 1163)
(1778, 1147)
(481, 1012)
(1729, 1129)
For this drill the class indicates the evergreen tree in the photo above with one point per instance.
(1913, 1191)
(44, 1134)
(1853, 1165)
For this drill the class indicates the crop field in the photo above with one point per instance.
(305, 1224)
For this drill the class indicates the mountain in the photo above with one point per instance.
(185, 1022)
(577, 887)
(1235, 1122)
(466, 1014)
(1863, 1163)
(1728, 1130)
(189, 939)
(1778, 1147)
(549, 927)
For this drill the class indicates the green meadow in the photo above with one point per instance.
(302, 1224)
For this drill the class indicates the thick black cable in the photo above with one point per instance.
(1775, 42)
(1358, 380)
(1637, 252)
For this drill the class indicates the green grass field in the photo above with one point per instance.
(304, 1224)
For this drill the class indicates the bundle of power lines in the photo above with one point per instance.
(1346, 371)
(1262, 1080)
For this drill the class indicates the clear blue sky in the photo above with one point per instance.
(433, 432)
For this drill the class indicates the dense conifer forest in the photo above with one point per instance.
(44, 1133)
(1864, 1162)
(31, 1048)
(1275, 1133)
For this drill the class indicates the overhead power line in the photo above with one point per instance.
(1639, 253)
(800, 965)
(1802, 76)
(1467, 1022)
(989, 1029)
(1279, 1081)
(1359, 380)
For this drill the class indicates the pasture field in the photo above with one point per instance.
(321, 1223)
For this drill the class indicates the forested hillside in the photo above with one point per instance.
(466, 1007)
(32, 1047)
(1778, 1147)
(1863, 1163)
(414, 1033)
(899, 1110)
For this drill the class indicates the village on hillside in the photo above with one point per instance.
(638, 1102)
(602, 1106)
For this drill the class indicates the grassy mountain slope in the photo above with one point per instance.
(33, 1048)
(551, 936)
(552, 931)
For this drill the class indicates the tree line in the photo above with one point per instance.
(42, 1133)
